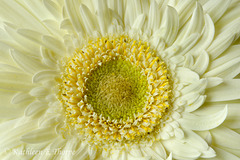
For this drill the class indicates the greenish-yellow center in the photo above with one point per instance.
(117, 89)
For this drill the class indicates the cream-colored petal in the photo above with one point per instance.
(15, 81)
(228, 90)
(180, 149)
(103, 15)
(28, 46)
(201, 63)
(11, 138)
(201, 123)
(81, 152)
(153, 153)
(196, 104)
(224, 39)
(27, 63)
(206, 38)
(225, 69)
(44, 76)
(213, 81)
(197, 142)
(53, 8)
(224, 155)
(231, 139)
(39, 92)
(184, 9)
(18, 14)
(169, 25)
(186, 75)
(87, 18)
(39, 135)
(34, 108)
(73, 12)
(21, 97)
(153, 16)
(216, 8)
(54, 44)
(138, 23)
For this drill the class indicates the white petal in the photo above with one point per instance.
(231, 139)
(184, 9)
(87, 18)
(153, 16)
(197, 142)
(48, 57)
(31, 35)
(54, 44)
(201, 123)
(92, 151)
(29, 46)
(169, 25)
(216, 8)
(9, 68)
(103, 15)
(213, 81)
(186, 75)
(196, 104)
(195, 25)
(43, 76)
(201, 63)
(73, 12)
(226, 67)
(224, 39)
(136, 152)
(224, 155)
(52, 7)
(153, 153)
(39, 92)
(138, 23)
(15, 81)
(34, 108)
(181, 149)
(21, 97)
(206, 38)
(199, 86)
(18, 14)
(27, 63)
(228, 90)
(39, 135)
(82, 152)
(11, 137)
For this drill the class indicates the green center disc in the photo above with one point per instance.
(117, 89)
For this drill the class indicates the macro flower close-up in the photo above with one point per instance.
(120, 79)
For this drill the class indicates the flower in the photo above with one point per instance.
(119, 79)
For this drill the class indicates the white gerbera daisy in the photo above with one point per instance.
(118, 79)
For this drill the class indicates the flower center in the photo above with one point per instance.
(115, 90)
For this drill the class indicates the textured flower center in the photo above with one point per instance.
(115, 89)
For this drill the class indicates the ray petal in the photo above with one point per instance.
(39, 135)
(228, 90)
(201, 123)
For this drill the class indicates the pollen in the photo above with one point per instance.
(115, 90)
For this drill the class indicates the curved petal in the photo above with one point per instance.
(228, 90)
(180, 149)
(169, 25)
(34, 108)
(216, 8)
(15, 81)
(201, 123)
(43, 76)
(27, 63)
(39, 135)
(231, 139)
